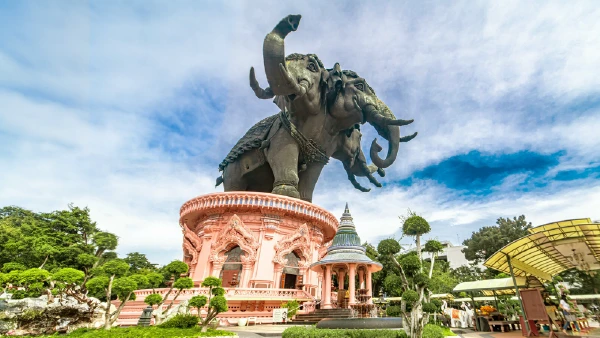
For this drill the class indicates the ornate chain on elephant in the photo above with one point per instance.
(310, 150)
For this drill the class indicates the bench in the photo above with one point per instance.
(510, 324)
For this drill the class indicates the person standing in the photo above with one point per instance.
(566, 310)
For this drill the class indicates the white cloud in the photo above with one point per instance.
(87, 90)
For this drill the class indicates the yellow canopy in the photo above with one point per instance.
(500, 286)
(551, 249)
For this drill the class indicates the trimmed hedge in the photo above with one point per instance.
(313, 332)
(433, 331)
(144, 332)
(181, 321)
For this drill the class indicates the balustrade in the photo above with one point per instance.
(259, 201)
(232, 293)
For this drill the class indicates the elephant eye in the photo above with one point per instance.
(360, 86)
(313, 67)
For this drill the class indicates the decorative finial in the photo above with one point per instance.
(346, 211)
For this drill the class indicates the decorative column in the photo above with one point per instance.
(351, 284)
(278, 271)
(341, 279)
(216, 270)
(369, 286)
(327, 304)
(361, 279)
(246, 274)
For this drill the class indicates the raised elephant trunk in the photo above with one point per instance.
(388, 127)
(274, 55)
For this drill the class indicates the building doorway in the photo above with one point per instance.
(232, 269)
(290, 276)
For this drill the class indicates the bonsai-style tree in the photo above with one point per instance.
(111, 269)
(173, 271)
(434, 248)
(216, 301)
(414, 283)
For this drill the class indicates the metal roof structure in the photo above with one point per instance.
(551, 249)
(500, 286)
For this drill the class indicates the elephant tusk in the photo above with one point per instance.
(408, 138)
(259, 92)
(392, 122)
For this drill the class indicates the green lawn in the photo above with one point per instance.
(143, 332)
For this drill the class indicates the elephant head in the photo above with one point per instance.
(352, 99)
(296, 81)
(349, 152)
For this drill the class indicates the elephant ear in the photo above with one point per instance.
(335, 83)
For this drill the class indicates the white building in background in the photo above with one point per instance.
(452, 254)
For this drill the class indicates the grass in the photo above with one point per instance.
(448, 332)
(143, 332)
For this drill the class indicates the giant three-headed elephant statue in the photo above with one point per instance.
(319, 110)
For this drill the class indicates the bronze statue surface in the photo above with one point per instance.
(321, 111)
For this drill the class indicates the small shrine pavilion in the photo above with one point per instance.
(346, 259)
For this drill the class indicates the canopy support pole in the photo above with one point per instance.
(474, 311)
(496, 300)
(512, 274)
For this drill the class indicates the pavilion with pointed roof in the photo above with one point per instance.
(346, 258)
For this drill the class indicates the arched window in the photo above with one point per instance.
(232, 269)
(291, 267)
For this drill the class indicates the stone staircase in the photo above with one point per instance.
(317, 315)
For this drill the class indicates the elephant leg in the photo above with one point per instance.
(308, 180)
(233, 179)
(282, 155)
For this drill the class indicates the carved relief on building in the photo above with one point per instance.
(323, 250)
(192, 244)
(270, 225)
(234, 233)
(298, 241)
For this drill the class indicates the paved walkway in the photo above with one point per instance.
(257, 331)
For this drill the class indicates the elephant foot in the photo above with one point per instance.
(286, 190)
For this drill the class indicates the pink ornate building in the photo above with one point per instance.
(267, 249)
(255, 240)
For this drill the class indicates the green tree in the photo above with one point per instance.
(114, 268)
(48, 240)
(414, 283)
(173, 271)
(216, 300)
(434, 248)
(487, 240)
(138, 262)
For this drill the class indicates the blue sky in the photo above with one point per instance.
(129, 107)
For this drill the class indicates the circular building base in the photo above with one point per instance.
(360, 323)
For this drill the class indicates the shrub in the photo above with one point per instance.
(410, 264)
(393, 311)
(147, 332)
(410, 296)
(429, 308)
(312, 332)
(421, 279)
(432, 331)
(181, 321)
(153, 299)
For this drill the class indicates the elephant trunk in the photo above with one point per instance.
(389, 128)
(274, 55)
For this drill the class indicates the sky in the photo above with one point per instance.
(128, 108)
